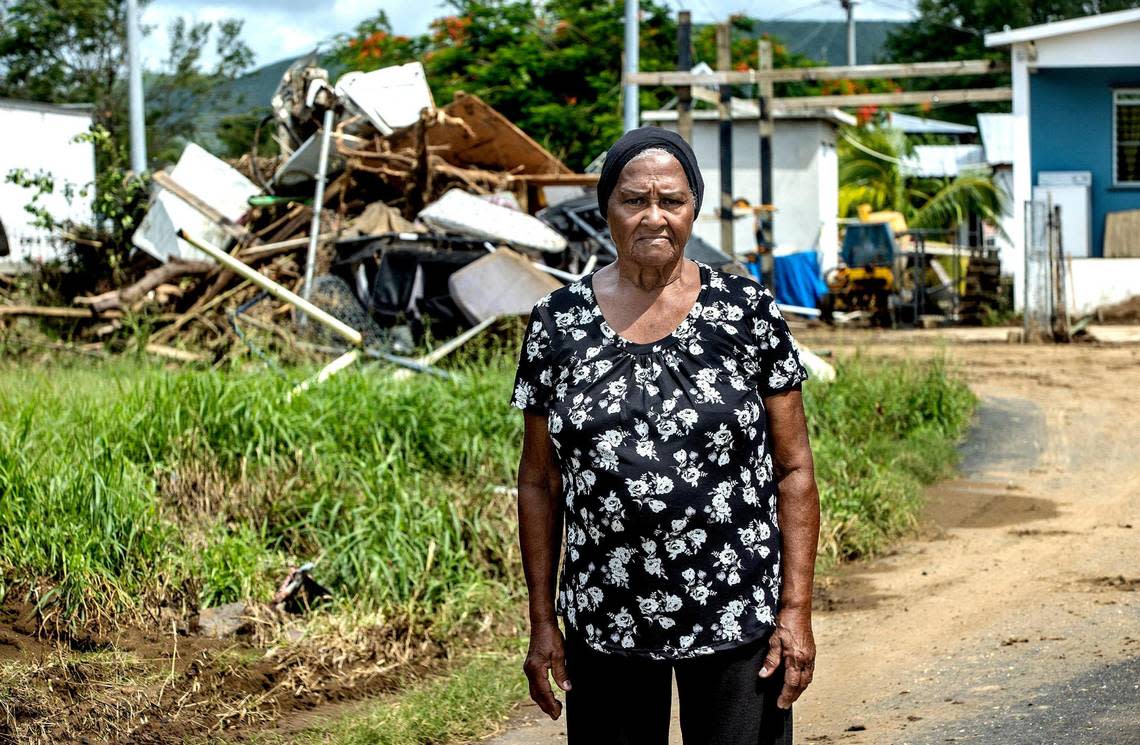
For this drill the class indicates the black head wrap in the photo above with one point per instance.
(644, 138)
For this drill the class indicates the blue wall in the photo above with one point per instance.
(1070, 129)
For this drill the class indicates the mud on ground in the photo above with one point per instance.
(162, 685)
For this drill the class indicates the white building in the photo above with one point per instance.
(805, 176)
(38, 138)
(1074, 141)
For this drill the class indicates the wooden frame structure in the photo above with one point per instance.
(766, 77)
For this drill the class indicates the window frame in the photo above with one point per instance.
(1117, 95)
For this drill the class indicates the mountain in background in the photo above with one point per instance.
(826, 41)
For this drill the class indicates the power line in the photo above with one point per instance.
(712, 13)
(873, 153)
(908, 9)
(797, 11)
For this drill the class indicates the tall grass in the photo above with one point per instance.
(878, 435)
(125, 486)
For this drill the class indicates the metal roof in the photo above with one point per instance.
(744, 113)
(73, 109)
(1061, 28)
(921, 125)
(997, 137)
(943, 161)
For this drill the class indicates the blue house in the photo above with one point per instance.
(1076, 143)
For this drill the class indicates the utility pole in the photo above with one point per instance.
(135, 90)
(724, 110)
(849, 6)
(685, 62)
(765, 215)
(632, 64)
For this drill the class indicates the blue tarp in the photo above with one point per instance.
(797, 279)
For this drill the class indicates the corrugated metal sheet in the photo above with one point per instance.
(944, 161)
(997, 137)
(921, 125)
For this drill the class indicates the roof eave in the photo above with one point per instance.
(1062, 28)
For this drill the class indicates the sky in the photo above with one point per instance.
(276, 29)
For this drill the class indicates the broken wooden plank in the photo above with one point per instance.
(179, 355)
(46, 311)
(127, 296)
(235, 231)
(472, 134)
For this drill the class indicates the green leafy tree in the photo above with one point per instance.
(553, 68)
(236, 133)
(956, 29)
(872, 171)
(373, 45)
(173, 93)
(74, 51)
(65, 51)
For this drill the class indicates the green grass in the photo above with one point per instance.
(878, 435)
(125, 486)
(463, 706)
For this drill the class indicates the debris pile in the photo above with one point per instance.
(395, 217)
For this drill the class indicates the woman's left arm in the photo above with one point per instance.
(798, 512)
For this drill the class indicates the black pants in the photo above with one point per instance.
(616, 700)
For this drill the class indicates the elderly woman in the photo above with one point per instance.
(665, 429)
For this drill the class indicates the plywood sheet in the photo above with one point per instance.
(501, 283)
(1122, 234)
(489, 141)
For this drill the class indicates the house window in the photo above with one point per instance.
(1126, 137)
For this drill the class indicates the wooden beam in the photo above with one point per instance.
(238, 232)
(893, 99)
(724, 114)
(801, 74)
(685, 62)
(78, 313)
(556, 179)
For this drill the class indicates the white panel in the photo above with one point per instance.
(1116, 46)
(40, 140)
(211, 180)
(391, 97)
(1064, 178)
(1097, 282)
(1076, 224)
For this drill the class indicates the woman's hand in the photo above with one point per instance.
(793, 644)
(546, 655)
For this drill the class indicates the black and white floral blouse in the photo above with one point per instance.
(672, 541)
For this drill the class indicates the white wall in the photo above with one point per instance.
(38, 138)
(805, 183)
(1115, 46)
(1096, 282)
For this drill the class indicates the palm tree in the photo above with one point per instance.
(874, 168)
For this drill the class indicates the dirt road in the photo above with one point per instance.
(1015, 616)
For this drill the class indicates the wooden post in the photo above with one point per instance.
(766, 218)
(724, 109)
(685, 63)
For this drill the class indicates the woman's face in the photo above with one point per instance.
(651, 210)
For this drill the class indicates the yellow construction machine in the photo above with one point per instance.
(893, 275)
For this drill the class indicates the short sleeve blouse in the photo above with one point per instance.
(672, 538)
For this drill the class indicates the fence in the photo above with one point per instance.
(1046, 314)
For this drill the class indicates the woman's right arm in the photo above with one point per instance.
(540, 538)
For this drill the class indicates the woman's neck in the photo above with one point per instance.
(649, 278)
